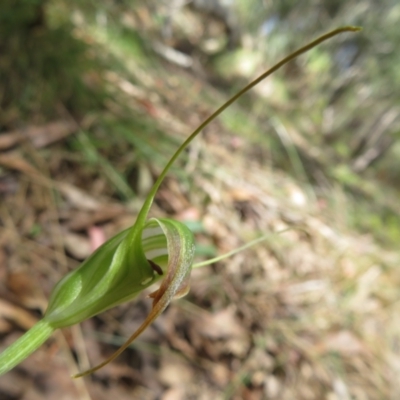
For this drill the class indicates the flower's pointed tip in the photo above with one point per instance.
(79, 375)
(87, 372)
(353, 28)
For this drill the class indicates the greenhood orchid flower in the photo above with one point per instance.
(149, 251)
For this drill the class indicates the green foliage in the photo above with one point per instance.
(15, 17)
(43, 64)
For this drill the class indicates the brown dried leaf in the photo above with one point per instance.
(175, 373)
(14, 161)
(343, 342)
(8, 140)
(175, 393)
(220, 325)
(82, 220)
(16, 314)
(22, 285)
(40, 136)
(78, 197)
(77, 245)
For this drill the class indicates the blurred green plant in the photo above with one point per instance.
(43, 64)
(133, 260)
(356, 121)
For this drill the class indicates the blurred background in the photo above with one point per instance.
(94, 99)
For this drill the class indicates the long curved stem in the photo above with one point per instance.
(149, 200)
(239, 249)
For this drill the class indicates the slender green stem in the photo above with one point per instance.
(25, 345)
(149, 200)
(239, 249)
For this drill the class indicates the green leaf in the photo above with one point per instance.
(180, 250)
